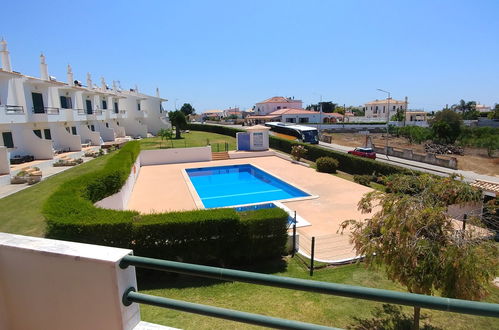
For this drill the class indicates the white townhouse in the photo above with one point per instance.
(384, 109)
(41, 115)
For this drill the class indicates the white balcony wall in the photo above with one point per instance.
(107, 133)
(27, 143)
(4, 163)
(88, 136)
(63, 140)
(119, 131)
(58, 285)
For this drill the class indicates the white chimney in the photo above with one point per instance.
(136, 88)
(5, 56)
(114, 86)
(89, 80)
(44, 70)
(157, 92)
(103, 83)
(70, 76)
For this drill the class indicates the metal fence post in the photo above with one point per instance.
(294, 238)
(312, 257)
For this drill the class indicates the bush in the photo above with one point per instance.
(298, 152)
(326, 164)
(201, 236)
(364, 180)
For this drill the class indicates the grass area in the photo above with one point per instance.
(191, 139)
(297, 305)
(21, 212)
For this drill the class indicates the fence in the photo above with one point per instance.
(409, 299)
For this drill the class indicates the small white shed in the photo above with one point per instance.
(256, 138)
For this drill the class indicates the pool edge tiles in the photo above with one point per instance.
(283, 187)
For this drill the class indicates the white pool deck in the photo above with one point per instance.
(163, 188)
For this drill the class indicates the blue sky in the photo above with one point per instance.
(220, 54)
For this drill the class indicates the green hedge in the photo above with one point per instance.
(201, 236)
(348, 163)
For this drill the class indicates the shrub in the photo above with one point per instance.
(364, 180)
(202, 236)
(327, 164)
(298, 152)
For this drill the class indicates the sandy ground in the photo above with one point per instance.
(474, 159)
(163, 188)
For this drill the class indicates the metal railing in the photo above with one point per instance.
(358, 292)
(46, 110)
(80, 111)
(13, 109)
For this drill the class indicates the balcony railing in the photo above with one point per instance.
(14, 109)
(81, 111)
(122, 112)
(358, 292)
(97, 112)
(46, 110)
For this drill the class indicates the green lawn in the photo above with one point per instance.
(191, 139)
(21, 212)
(297, 305)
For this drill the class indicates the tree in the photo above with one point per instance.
(446, 126)
(494, 114)
(414, 240)
(327, 107)
(467, 109)
(187, 109)
(166, 134)
(177, 118)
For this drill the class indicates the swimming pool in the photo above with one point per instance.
(221, 186)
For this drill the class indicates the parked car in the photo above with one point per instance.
(363, 152)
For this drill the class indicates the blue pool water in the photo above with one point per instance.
(237, 185)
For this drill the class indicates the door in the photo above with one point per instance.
(89, 107)
(38, 106)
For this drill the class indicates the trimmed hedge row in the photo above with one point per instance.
(201, 236)
(347, 163)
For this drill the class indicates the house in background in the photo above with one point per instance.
(213, 114)
(232, 113)
(384, 109)
(276, 103)
(482, 108)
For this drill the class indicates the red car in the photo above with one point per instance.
(363, 152)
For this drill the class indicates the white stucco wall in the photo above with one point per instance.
(179, 155)
(119, 201)
(266, 108)
(63, 139)
(4, 160)
(59, 285)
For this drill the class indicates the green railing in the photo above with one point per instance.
(387, 296)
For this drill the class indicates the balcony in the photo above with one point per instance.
(13, 109)
(80, 112)
(46, 110)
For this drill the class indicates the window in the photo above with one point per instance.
(393, 107)
(303, 120)
(290, 120)
(118, 123)
(138, 106)
(104, 105)
(8, 142)
(47, 134)
(38, 133)
(278, 108)
(107, 125)
(88, 104)
(116, 110)
(73, 130)
(161, 108)
(38, 106)
(67, 130)
(66, 102)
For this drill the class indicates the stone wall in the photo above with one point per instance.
(424, 158)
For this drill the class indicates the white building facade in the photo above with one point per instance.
(384, 109)
(41, 116)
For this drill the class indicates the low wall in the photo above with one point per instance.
(59, 285)
(170, 156)
(423, 158)
(119, 201)
(4, 160)
(249, 154)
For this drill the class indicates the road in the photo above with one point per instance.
(468, 176)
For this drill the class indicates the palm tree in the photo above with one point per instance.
(465, 108)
